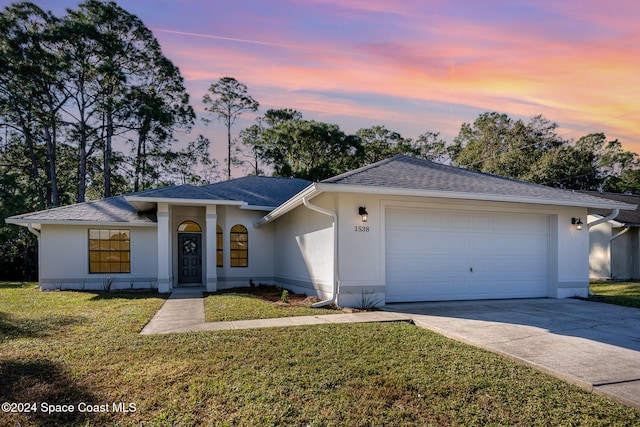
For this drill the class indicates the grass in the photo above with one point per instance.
(620, 293)
(229, 306)
(72, 347)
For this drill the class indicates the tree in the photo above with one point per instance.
(135, 87)
(254, 139)
(309, 149)
(192, 165)
(69, 88)
(568, 167)
(228, 99)
(379, 143)
(31, 76)
(431, 147)
(533, 152)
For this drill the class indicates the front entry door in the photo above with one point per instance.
(189, 258)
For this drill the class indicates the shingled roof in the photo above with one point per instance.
(631, 218)
(113, 209)
(410, 173)
(260, 192)
(257, 190)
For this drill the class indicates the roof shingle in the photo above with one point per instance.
(112, 209)
(627, 217)
(260, 191)
(407, 172)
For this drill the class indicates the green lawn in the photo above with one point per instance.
(72, 347)
(241, 306)
(620, 293)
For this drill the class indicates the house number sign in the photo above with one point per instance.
(362, 228)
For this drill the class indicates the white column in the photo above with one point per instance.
(164, 249)
(210, 263)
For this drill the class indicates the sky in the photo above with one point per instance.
(413, 66)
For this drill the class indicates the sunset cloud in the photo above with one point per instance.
(413, 66)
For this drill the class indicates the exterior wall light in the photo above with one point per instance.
(577, 222)
(362, 211)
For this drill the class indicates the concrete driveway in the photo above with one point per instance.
(595, 346)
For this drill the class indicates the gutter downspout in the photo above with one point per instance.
(33, 231)
(614, 213)
(334, 216)
(618, 234)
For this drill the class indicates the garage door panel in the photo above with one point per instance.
(439, 255)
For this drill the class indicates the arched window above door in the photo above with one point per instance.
(189, 227)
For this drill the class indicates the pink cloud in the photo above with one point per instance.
(521, 67)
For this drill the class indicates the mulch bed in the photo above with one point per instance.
(273, 294)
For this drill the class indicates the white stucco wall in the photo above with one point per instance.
(304, 244)
(261, 250)
(622, 253)
(572, 255)
(64, 259)
(599, 250)
(303, 249)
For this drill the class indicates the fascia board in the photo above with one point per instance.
(38, 223)
(257, 208)
(183, 202)
(362, 189)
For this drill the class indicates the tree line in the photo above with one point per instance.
(494, 143)
(90, 108)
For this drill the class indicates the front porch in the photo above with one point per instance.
(187, 246)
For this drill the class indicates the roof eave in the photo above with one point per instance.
(257, 208)
(37, 223)
(183, 201)
(145, 203)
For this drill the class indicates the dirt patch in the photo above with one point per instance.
(274, 295)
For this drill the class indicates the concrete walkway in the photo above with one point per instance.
(184, 312)
(592, 345)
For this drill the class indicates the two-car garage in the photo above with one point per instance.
(435, 255)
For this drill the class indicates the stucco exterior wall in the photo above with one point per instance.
(303, 249)
(599, 250)
(571, 253)
(64, 259)
(261, 252)
(303, 245)
(622, 258)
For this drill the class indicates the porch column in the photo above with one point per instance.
(211, 267)
(164, 249)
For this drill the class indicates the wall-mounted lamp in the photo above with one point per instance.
(362, 211)
(577, 222)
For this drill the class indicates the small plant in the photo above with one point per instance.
(368, 300)
(252, 284)
(284, 297)
(131, 282)
(107, 281)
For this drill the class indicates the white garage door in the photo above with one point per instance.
(443, 255)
